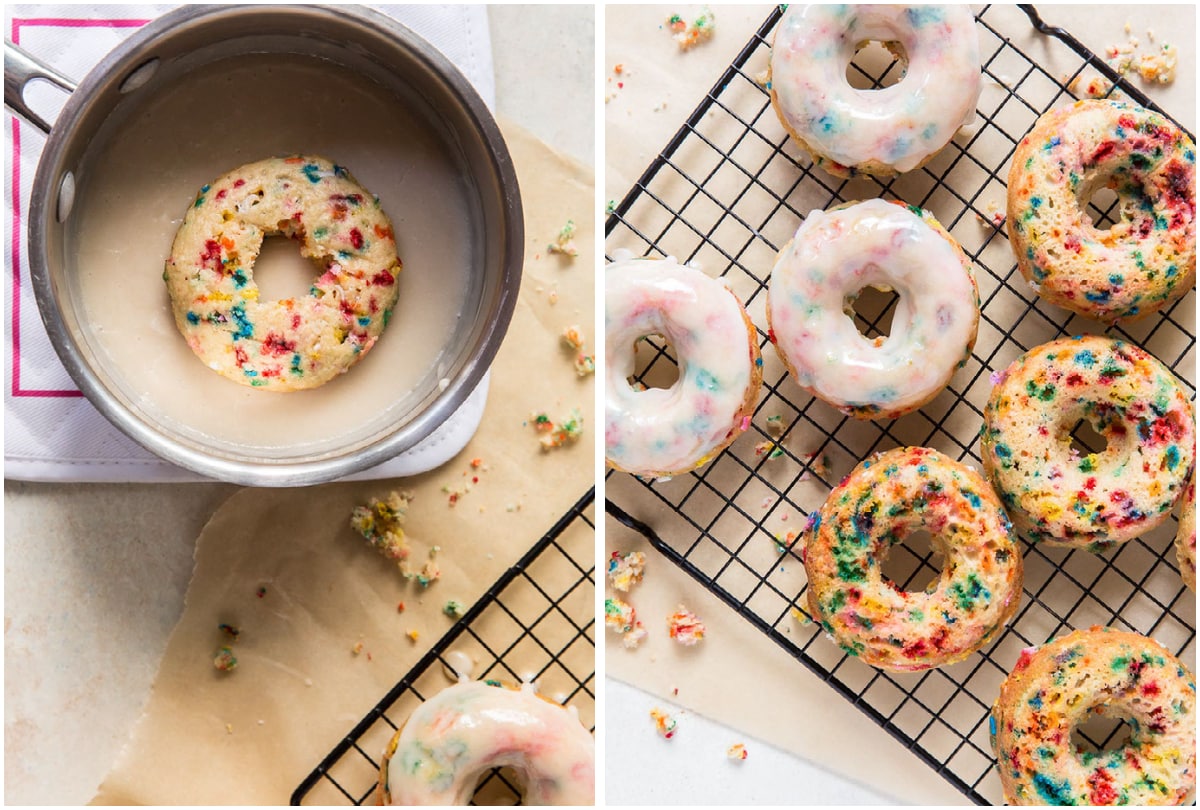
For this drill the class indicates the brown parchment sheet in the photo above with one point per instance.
(286, 569)
(737, 675)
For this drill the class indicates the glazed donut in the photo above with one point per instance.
(1147, 259)
(1185, 537)
(664, 432)
(1053, 688)
(453, 739)
(883, 500)
(291, 344)
(1102, 499)
(889, 245)
(878, 132)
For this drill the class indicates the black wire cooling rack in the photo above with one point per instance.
(536, 622)
(726, 193)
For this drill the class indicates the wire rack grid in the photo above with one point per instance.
(726, 194)
(536, 622)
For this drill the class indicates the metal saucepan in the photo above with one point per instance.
(370, 45)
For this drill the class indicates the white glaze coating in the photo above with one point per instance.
(666, 431)
(834, 255)
(454, 738)
(893, 129)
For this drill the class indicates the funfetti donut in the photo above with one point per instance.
(294, 343)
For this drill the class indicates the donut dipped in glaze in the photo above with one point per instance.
(294, 343)
(1147, 259)
(1052, 690)
(663, 432)
(453, 739)
(891, 246)
(881, 502)
(1098, 500)
(879, 132)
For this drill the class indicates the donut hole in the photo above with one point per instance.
(877, 65)
(1101, 731)
(281, 272)
(872, 310)
(1086, 440)
(914, 564)
(499, 787)
(1103, 208)
(655, 364)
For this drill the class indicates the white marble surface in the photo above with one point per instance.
(95, 573)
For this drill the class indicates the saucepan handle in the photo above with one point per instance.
(20, 68)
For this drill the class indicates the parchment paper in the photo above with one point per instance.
(249, 736)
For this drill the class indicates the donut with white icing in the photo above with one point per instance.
(663, 432)
(293, 343)
(453, 739)
(883, 244)
(879, 132)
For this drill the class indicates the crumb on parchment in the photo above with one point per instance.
(685, 627)
(380, 523)
(557, 434)
(689, 36)
(225, 660)
(736, 751)
(625, 570)
(564, 243)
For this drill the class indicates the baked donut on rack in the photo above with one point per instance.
(879, 132)
(834, 255)
(1185, 536)
(453, 739)
(1053, 689)
(662, 432)
(1147, 259)
(881, 502)
(1098, 500)
(294, 343)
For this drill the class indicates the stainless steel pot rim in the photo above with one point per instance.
(125, 57)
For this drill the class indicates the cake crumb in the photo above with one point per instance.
(625, 570)
(737, 751)
(688, 37)
(453, 608)
(1095, 86)
(225, 660)
(634, 638)
(685, 627)
(768, 448)
(1159, 68)
(380, 523)
(413, 635)
(357, 648)
(663, 723)
(557, 434)
(572, 337)
(229, 728)
(585, 364)
(801, 617)
(619, 615)
(564, 243)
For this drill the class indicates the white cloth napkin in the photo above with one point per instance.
(52, 433)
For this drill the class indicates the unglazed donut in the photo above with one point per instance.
(1051, 691)
(451, 740)
(833, 256)
(663, 432)
(1185, 537)
(879, 132)
(883, 500)
(1101, 499)
(1147, 259)
(291, 344)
